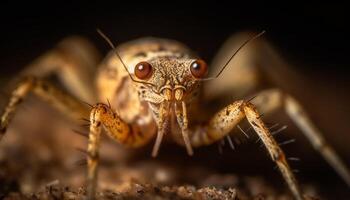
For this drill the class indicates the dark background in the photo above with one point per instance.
(314, 38)
(315, 35)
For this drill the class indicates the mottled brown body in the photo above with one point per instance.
(169, 101)
(128, 98)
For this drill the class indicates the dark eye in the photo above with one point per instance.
(143, 70)
(199, 69)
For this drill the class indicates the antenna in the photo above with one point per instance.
(233, 55)
(121, 60)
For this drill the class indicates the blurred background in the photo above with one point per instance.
(313, 38)
(315, 35)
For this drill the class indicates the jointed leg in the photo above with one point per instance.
(117, 129)
(275, 151)
(62, 101)
(260, 60)
(226, 119)
(272, 99)
(74, 61)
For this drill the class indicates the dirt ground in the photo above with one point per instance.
(42, 158)
(39, 159)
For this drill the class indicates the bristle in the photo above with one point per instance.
(85, 125)
(91, 106)
(279, 130)
(246, 135)
(273, 126)
(81, 133)
(82, 151)
(287, 142)
(293, 159)
(251, 99)
(109, 104)
(230, 142)
(84, 119)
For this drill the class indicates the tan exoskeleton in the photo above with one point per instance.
(155, 87)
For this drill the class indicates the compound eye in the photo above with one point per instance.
(199, 69)
(143, 70)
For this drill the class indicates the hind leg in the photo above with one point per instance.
(259, 60)
(73, 61)
(272, 99)
(67, 104)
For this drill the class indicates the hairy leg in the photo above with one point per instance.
(259, 63)
(269, 100)
(226, 119)
(44, 90)
(129, 135)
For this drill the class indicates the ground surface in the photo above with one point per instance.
(146, 192)
(39, 160)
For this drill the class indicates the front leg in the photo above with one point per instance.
(225, 120)
(127, 134)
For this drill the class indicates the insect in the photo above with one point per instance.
(157, 87)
